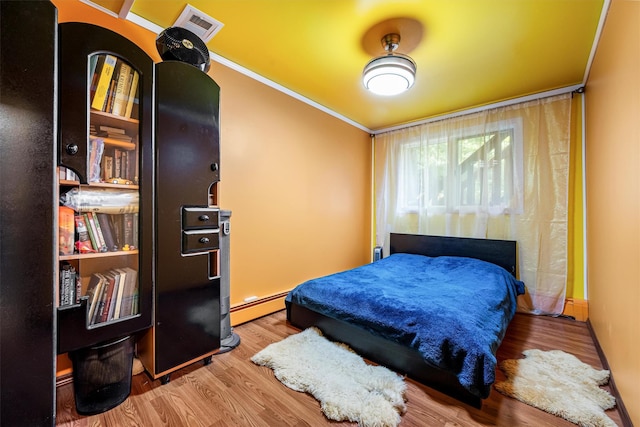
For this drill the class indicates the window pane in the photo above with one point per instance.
(469, 173)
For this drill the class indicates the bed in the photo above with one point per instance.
(435, 309)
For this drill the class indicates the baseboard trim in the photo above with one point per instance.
(64, 379)
(624, 415)
(244, 313)
(576, 308)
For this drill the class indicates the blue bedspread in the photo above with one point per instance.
(453, 310)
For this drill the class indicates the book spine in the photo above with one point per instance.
(95, 67)
(64, 284)
(108, 103)
(78, 283)
(116, 228)
(96, 149)
(95, 244)
(100, 234)
(83, 242)
(113, 303)
(72, 286)
(105, 226)
(96, 285)
(104, 81)
(66, 229)
(128, 231)
(122, 90)
(132, 94)
(117, 165)
(106, 300)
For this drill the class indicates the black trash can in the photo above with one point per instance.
(102, 375)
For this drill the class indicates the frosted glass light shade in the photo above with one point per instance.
(389, 75)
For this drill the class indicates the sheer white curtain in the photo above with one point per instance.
(502, 173)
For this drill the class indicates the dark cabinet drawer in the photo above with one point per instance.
(194, 241)
(199, 217)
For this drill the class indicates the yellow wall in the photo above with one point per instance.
(297, 180)
(575, 238)
(613, 197)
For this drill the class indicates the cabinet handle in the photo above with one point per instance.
(214, 167)
(203, 217)
(204, 240)
(72, 149)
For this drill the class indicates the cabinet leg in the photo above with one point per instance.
(165, 379)
(207, 360)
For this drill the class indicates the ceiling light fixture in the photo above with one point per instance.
(390, 74)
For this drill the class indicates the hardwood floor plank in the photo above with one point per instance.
(233, 391)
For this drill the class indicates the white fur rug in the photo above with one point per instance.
(559, 383)
(347, 388)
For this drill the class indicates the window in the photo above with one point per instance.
(472, 171)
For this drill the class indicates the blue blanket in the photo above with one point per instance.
(453, 310)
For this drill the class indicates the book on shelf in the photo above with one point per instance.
(121, 89)
(96, 150)
(130, 288)
(96, 243)
(104, 82)
(67, 291)
(127, 229)
(66, 174)
(83, 241)
(117, 163)
(113, 300)
(94, 290)
(95, 63)
(116, 230)
(109, 102)
(107, 167)
(133, 93)
(106, 297)
(101, 238)
(107, 232)
(112, 295)
(111, 129)
(66, 230)
(78, 283)
(122, 275)
(99, 304)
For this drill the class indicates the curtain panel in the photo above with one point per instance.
(502, 173)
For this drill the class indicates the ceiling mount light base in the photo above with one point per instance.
(390, 42)
(390, 74)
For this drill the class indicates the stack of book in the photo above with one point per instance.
(107, 163)
(101, 232)
(112, 294)
(69, 285)
(114, 85)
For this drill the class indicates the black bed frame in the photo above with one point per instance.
(402, 359)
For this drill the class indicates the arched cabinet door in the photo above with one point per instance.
(106, 153)
(187, 272)
(82, 46)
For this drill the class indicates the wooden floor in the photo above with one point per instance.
(232, 391)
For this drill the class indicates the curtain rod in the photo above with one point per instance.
(569, 89)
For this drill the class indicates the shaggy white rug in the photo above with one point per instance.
(559, 383)
(347, 388)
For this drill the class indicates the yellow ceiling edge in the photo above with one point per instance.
(467, 111)
(156, 29)
(100, 8)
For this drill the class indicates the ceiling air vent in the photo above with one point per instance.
(198, 23)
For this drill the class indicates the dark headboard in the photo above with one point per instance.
(499, 252)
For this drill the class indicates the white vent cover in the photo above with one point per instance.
(198, 23)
